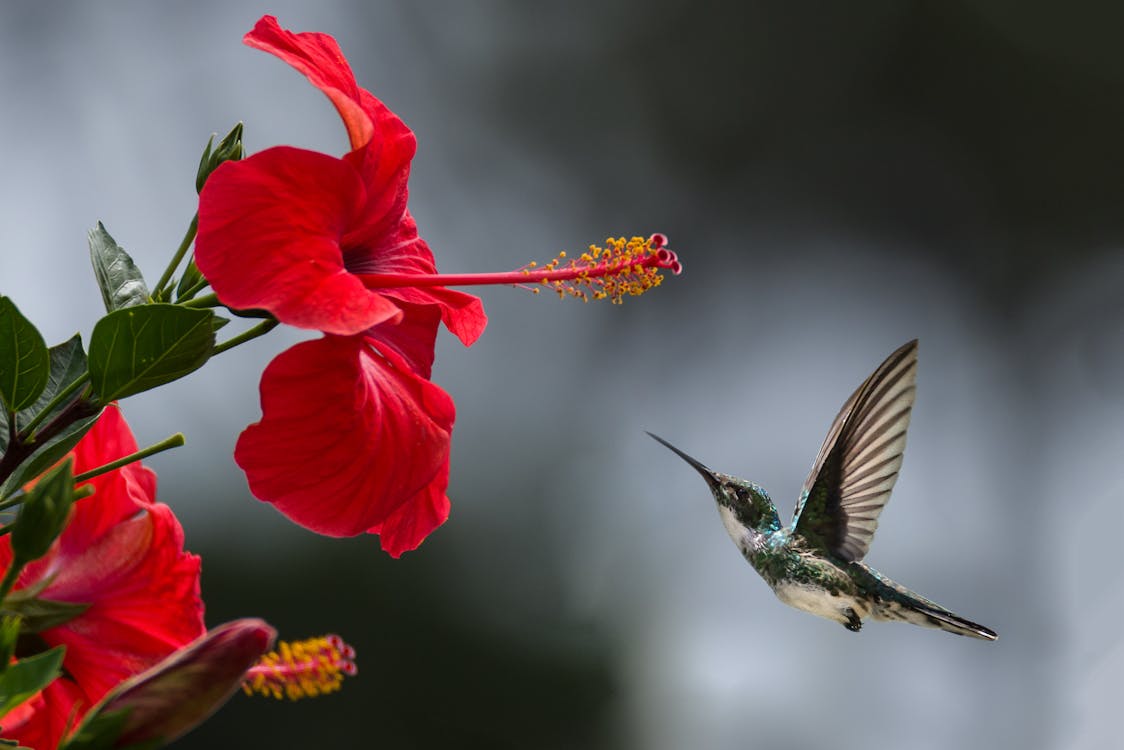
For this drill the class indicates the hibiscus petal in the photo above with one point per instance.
(402, 251)
(346, 436)
(462, 313)
(383, 165)
(406, 528)
(143, 591)
(387, 144)
(319, 58)
(412, 338)
(121, 492)
(269, 238)
(42, 720)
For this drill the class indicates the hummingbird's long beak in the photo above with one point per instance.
(699, 466)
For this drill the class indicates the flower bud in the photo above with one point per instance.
(164, 702)
(229, 149)
(43, 515)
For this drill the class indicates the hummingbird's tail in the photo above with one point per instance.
(928, 615)
(896, 602)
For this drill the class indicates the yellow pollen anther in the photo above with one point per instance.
(623, 267)
(303, 669)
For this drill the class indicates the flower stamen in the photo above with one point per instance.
(622, 268)
(303, 669)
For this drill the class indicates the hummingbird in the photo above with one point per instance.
(816, 563)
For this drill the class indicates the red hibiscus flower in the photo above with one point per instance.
(324, 243)
(353, 438)
(122, 554)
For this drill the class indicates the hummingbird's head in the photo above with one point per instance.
(744, 506)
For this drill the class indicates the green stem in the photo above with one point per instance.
(194, 289)
(63, 395)
(207, 300)
(19, 449)
(11, 502)
(259, 330)
(174, 441)
(181, 251)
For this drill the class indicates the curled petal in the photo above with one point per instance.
(319, 58)
(347, 435)
(462, 313)
(269, 237)
(382, 145)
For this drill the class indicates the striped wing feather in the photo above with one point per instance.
(859, 460)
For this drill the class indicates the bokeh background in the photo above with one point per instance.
(837, 178)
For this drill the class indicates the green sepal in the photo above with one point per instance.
(118, 277)
(139, 348)
(100, 732)
(9, 634)
(229, 149)
(28, 676)
(190, 279)
(24, 361)
(42, 515)
(39, 614)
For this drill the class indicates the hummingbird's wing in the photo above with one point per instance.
(859, 460)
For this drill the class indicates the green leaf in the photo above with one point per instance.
(42, 515)
(39, 614)
(24, 361)
(139, 348)
(47, 454)
(68, 363)
(28, 676)
(118, 277)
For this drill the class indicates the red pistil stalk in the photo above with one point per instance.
(622, 268)
(303, 669)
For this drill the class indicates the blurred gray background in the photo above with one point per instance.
(837, 179)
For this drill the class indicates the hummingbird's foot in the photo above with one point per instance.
(854, 622)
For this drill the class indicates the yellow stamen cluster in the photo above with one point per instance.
(304, 669)
(621, 268)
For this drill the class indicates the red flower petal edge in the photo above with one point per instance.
(349, 441)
